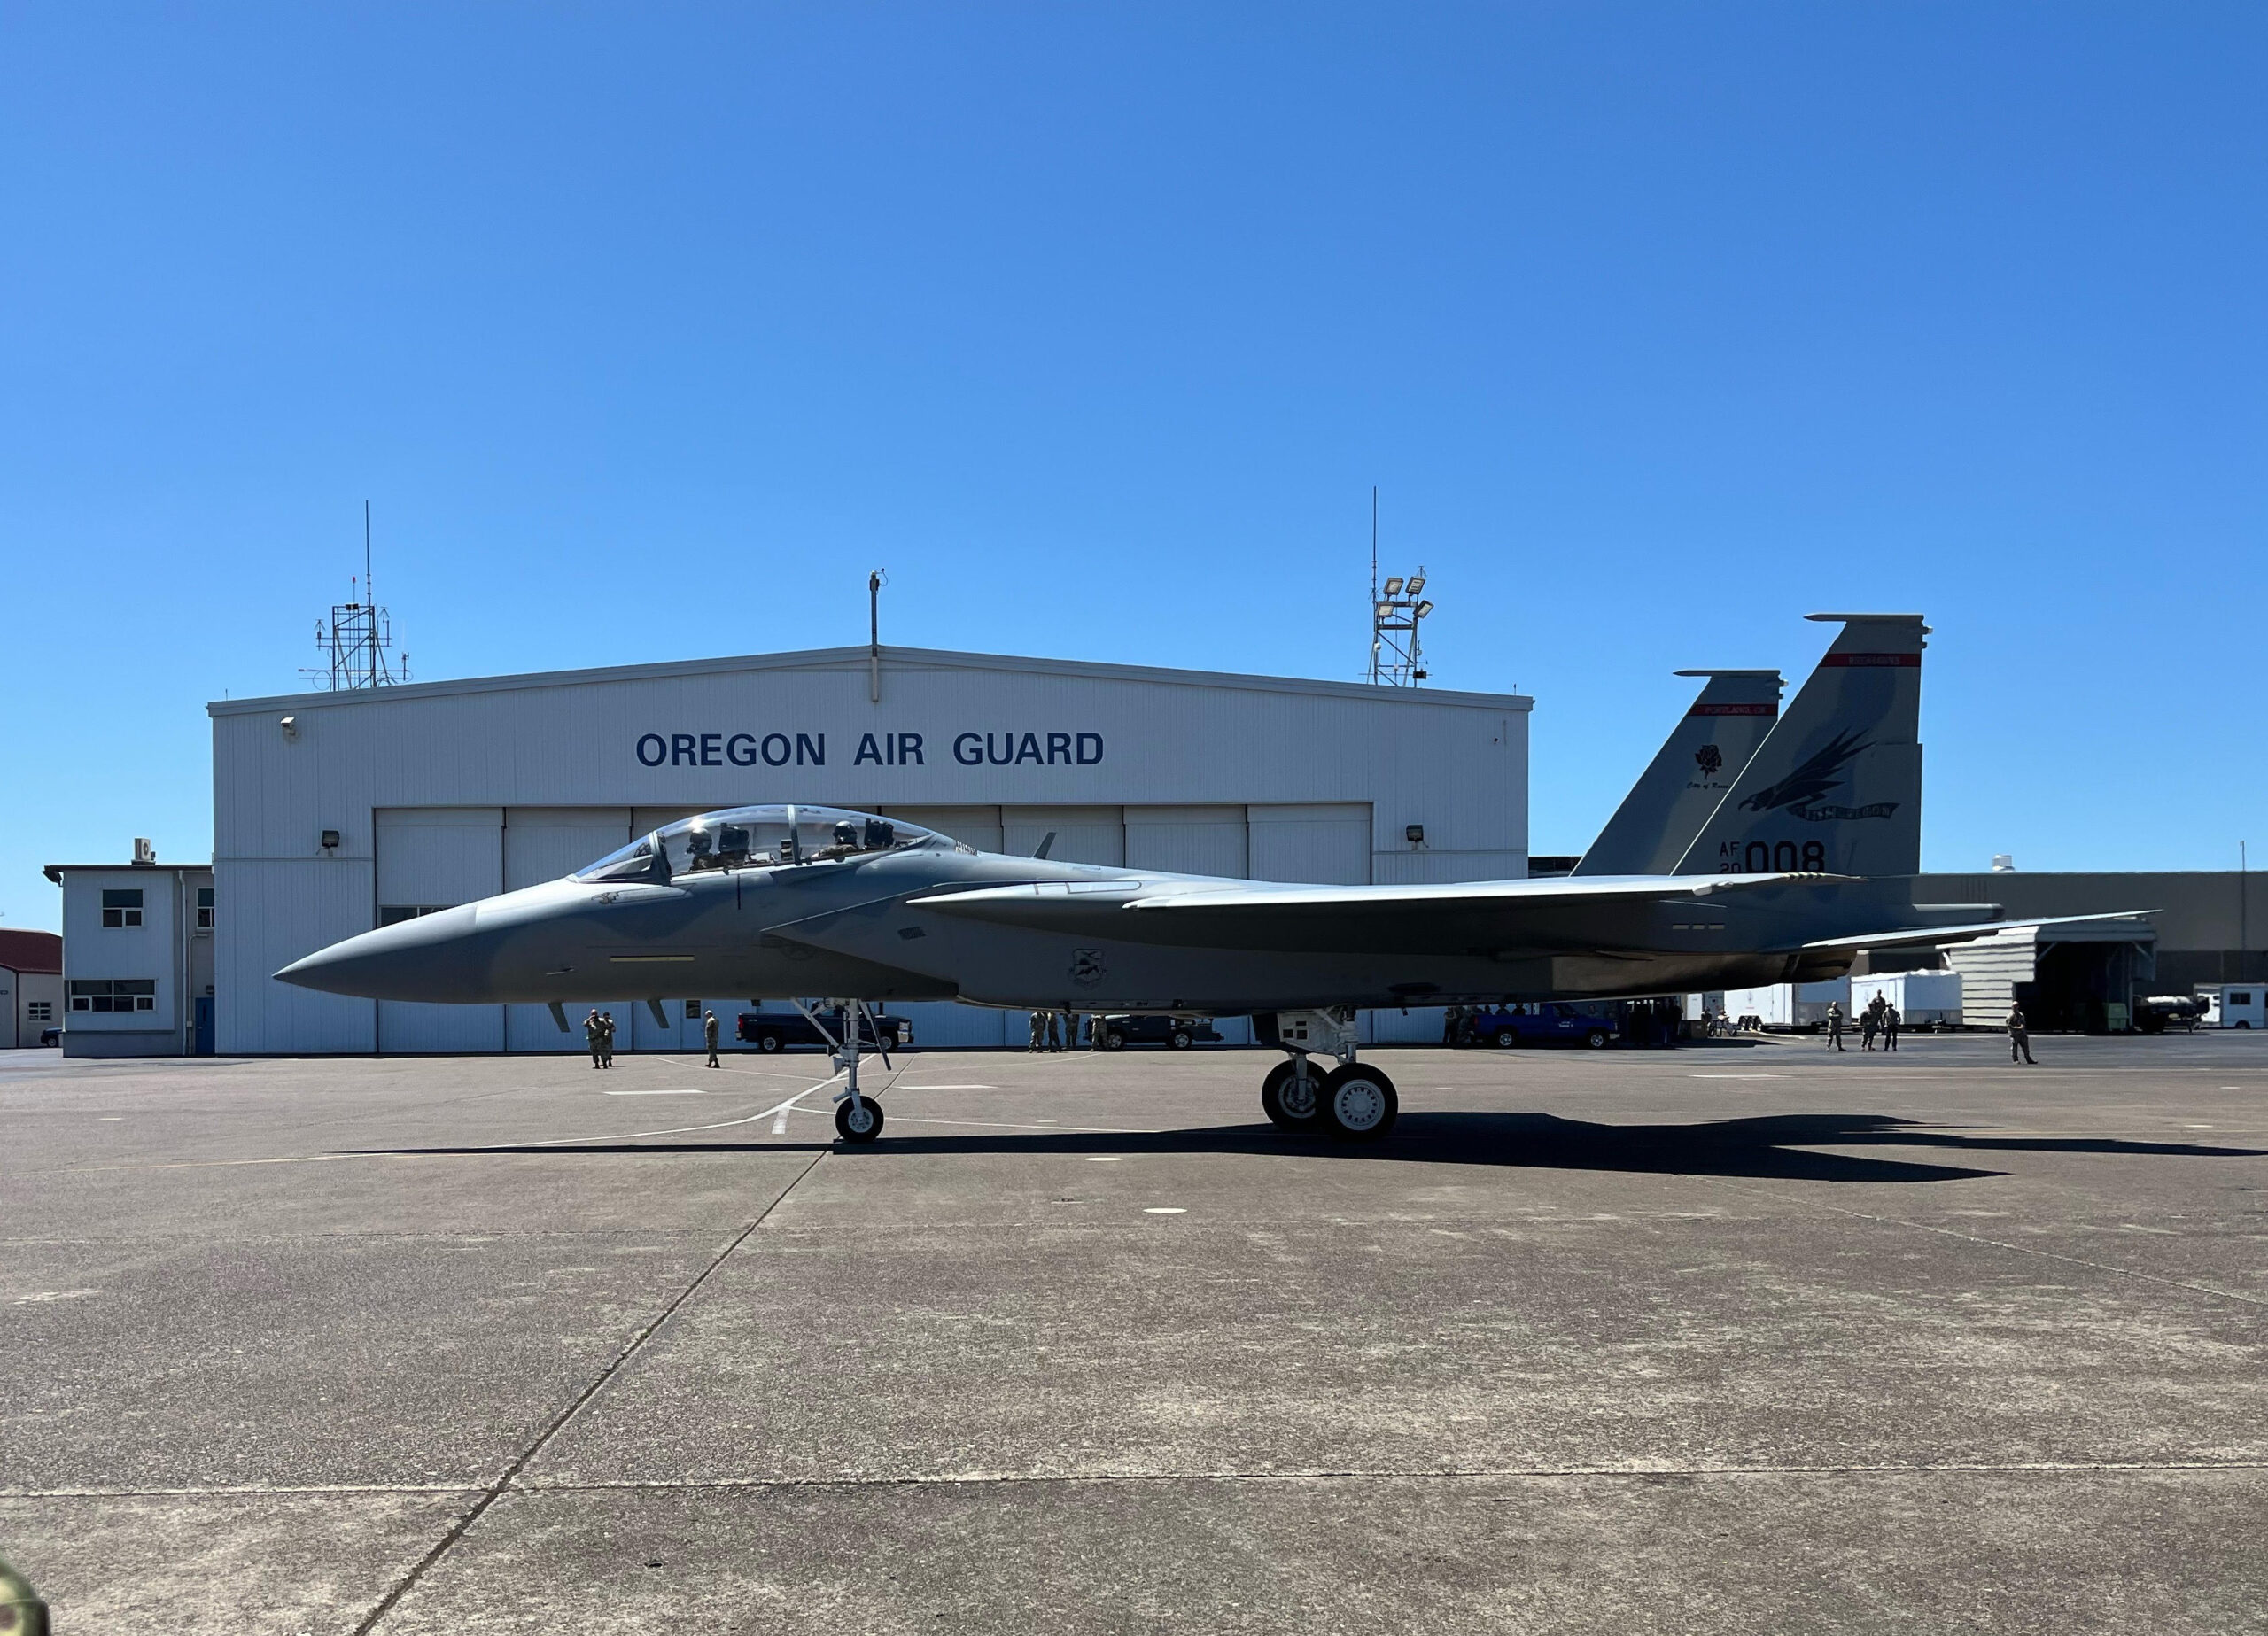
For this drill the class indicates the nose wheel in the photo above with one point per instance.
(859, 1120)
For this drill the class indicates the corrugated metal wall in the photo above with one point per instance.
(1990, 969)
(1258, 777)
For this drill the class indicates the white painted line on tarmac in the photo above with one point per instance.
(1105, 1158)
(780, 1115)
(1737, 1076)
(1163, 1210)
(727, 1067)
(945, 1087)
(695, 1092)
(679, 1130)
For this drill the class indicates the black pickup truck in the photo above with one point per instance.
(1178, 1033)
(777, 1030)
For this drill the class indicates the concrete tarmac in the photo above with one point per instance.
(1727, 1338)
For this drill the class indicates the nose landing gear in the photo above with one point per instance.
(1353, 1100)
(858, 1118)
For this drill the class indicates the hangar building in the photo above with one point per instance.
(337, 811)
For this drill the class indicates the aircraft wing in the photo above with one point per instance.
(1442, 917)
(1922, 936)
(1553, 890)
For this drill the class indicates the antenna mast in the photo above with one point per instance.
(357, 641)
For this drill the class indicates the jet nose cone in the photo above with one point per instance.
(436, 957)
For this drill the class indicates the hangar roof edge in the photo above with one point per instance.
(855, 659)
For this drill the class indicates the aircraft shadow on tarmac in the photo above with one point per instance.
(1779, 1147)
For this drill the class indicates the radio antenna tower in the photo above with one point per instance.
(1396, 608)
(357, 641)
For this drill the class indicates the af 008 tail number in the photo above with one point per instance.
(1758, 857)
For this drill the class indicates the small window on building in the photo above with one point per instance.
(394, 914)
(122, 906)
(114, 994)
(39, 1011)
(204, 909)
(693, 1011)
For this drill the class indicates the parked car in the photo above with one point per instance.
(1536, 1022)
(50, 1037)
(771, 1031)
(1176, 1033)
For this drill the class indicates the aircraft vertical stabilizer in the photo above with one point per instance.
(1692, 774)
(1837, 784)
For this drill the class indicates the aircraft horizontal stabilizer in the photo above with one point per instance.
(1924, 936)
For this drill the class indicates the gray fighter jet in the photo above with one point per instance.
(790, 902)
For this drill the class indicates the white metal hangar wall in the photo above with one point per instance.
(335, 812)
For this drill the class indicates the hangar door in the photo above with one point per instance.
(429, 858)
(1083, 834)
(1322, 843)
(1187, 840)
(543, 843)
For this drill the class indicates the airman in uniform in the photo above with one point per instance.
(2019, 1037)
(1833, 1026)
(709, 1036)
(592, 1032)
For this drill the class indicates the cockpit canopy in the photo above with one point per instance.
(759, 837)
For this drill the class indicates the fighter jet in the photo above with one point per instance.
(790, 902)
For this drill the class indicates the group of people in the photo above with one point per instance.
(1880, 1019)
(1060, 1030)
(598, 1032)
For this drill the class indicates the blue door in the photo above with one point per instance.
(203, 1046)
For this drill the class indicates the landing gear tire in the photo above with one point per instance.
(859, 1121)
(1359, 1103)
(1288, 1103)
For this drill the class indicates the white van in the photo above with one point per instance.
(2234, 1004)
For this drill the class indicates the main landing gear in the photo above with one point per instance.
(858, 1118)
(1353, 1100)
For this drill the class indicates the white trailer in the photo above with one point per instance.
(1788, 1005)
(2234, 1004)
(1923, 998)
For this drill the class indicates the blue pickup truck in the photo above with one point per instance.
(1538, 1022)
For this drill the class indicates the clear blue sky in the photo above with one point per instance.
(649, 330)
